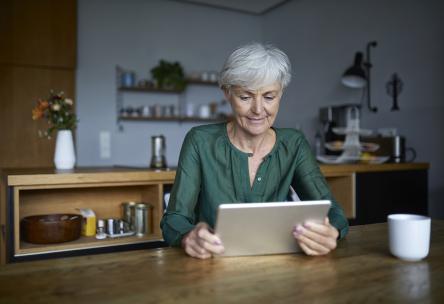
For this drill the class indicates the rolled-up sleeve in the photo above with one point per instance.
(179, 217)
(310, 184)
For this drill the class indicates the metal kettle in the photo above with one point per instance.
(400, 150)
(158, 149)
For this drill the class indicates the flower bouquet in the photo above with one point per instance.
(58, 112)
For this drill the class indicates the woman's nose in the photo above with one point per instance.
(257, 106)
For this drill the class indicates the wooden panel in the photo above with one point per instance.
(360, 270)
(41, 33)
(105, 201)
(4, 229)
(6, 31)
(50, 177)
(20, 87)
(343, 190)
(84, 243)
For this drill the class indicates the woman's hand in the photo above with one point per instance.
(201, 243)
(316, 239)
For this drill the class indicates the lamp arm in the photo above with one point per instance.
(368, 66)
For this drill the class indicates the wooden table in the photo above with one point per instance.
(359, 271)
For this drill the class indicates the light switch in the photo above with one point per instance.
(105, 144)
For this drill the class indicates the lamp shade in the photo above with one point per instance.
(355, 76)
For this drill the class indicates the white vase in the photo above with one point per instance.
(64, 156)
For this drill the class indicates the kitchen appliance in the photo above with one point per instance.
(333, 117)
(158, 149)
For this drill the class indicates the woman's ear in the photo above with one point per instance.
(227, 95)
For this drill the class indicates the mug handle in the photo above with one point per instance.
(413, 152)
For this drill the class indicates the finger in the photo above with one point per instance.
(218, 249)
(307, 250)
(197, 247)
(204, 234)
(328, 241)
(324, 229)
(191, 241)
(191, 252)
(314, 246)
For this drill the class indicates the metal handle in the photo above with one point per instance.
(413, 154)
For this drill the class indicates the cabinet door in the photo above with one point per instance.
(38, 33)
(20, 145)
(382, 193)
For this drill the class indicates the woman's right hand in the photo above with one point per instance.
(201, 243)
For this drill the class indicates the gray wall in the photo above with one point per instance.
(320, 37)
(136, 34)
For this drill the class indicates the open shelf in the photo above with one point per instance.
(147, 89)
(201, 82)
(180, 119)
(83, 243)
(94, 191)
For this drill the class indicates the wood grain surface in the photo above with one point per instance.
(361, 270)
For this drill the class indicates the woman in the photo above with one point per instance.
(247, 160)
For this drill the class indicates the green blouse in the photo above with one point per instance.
(212, 171)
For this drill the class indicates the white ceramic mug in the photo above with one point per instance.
(409, 236)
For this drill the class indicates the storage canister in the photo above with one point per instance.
(129, 214)
(143, 219)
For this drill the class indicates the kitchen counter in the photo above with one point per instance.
(26, 192)
(360, 270)
(79, 175)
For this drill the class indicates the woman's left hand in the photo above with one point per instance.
(316, 239)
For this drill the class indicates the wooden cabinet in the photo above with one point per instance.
(37, 54)
(45, 192)
(38, 33)
(374, 191)
(382, 193)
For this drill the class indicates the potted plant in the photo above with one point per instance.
(169, 76)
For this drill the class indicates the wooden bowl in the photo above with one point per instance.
(51, 228)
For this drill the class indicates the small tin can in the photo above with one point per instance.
(143, 219)
(110, 226)
(129, 214)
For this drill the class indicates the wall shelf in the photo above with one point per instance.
(201, 82)
(148, 90)
(177, 119)
(181, 103)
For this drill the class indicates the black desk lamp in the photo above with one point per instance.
(358, 75)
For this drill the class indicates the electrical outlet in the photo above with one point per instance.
(105, 144)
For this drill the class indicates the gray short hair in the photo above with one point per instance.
(254, 65)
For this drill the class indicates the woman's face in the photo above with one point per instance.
(255, 110)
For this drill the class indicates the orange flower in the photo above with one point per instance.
(43, 104)
(37, 113)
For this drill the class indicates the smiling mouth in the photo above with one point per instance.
(256, 120)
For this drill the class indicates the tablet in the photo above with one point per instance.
(265, 228)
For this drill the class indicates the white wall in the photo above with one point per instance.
(321, 37)
(136, 34)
